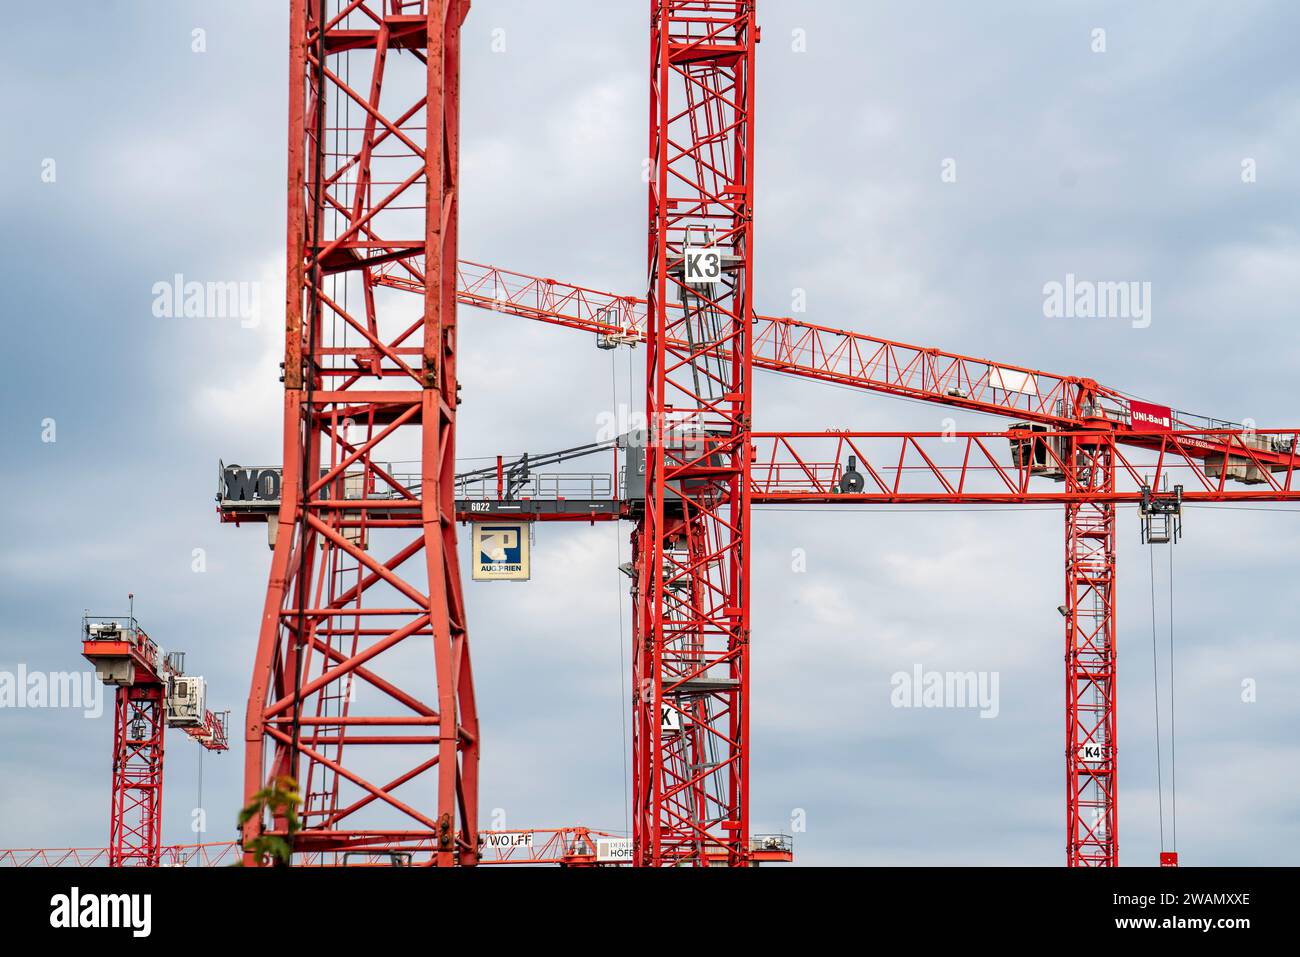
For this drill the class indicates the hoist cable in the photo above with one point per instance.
(1173, 764)
(1155, 687)
(202, 814)
(618, 573)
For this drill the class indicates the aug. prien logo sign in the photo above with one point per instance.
(501, 551)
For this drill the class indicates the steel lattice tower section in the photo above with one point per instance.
(1090, 660)
(362, 688)
(135, 829)
(691, 660)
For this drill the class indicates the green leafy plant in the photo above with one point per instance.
(281, 799)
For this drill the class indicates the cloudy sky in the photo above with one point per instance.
(1123, 165)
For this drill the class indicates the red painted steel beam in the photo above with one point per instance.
(843, 357)
(958, 468)
(1091, 751)
(373, 174)
(691, 661)
(565, 846)
(211, 735)
(135, 825)
(980, 467)
(792, 346)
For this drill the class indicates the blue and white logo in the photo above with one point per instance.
(501, 551)
(499, 545)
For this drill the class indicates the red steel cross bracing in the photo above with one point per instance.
(691, 653)
(360, 615)
(135, 828)
(341, 597)
(1091, 749)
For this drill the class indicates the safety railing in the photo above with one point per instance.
(543, 485)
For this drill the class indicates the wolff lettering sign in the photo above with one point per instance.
(256, 484)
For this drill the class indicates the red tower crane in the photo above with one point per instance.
(1209, 459)
(373, 175)
(690, 716)
(1022, 465)
(153, 693)
(334, 612)
(1201, 454)
(563, 846)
